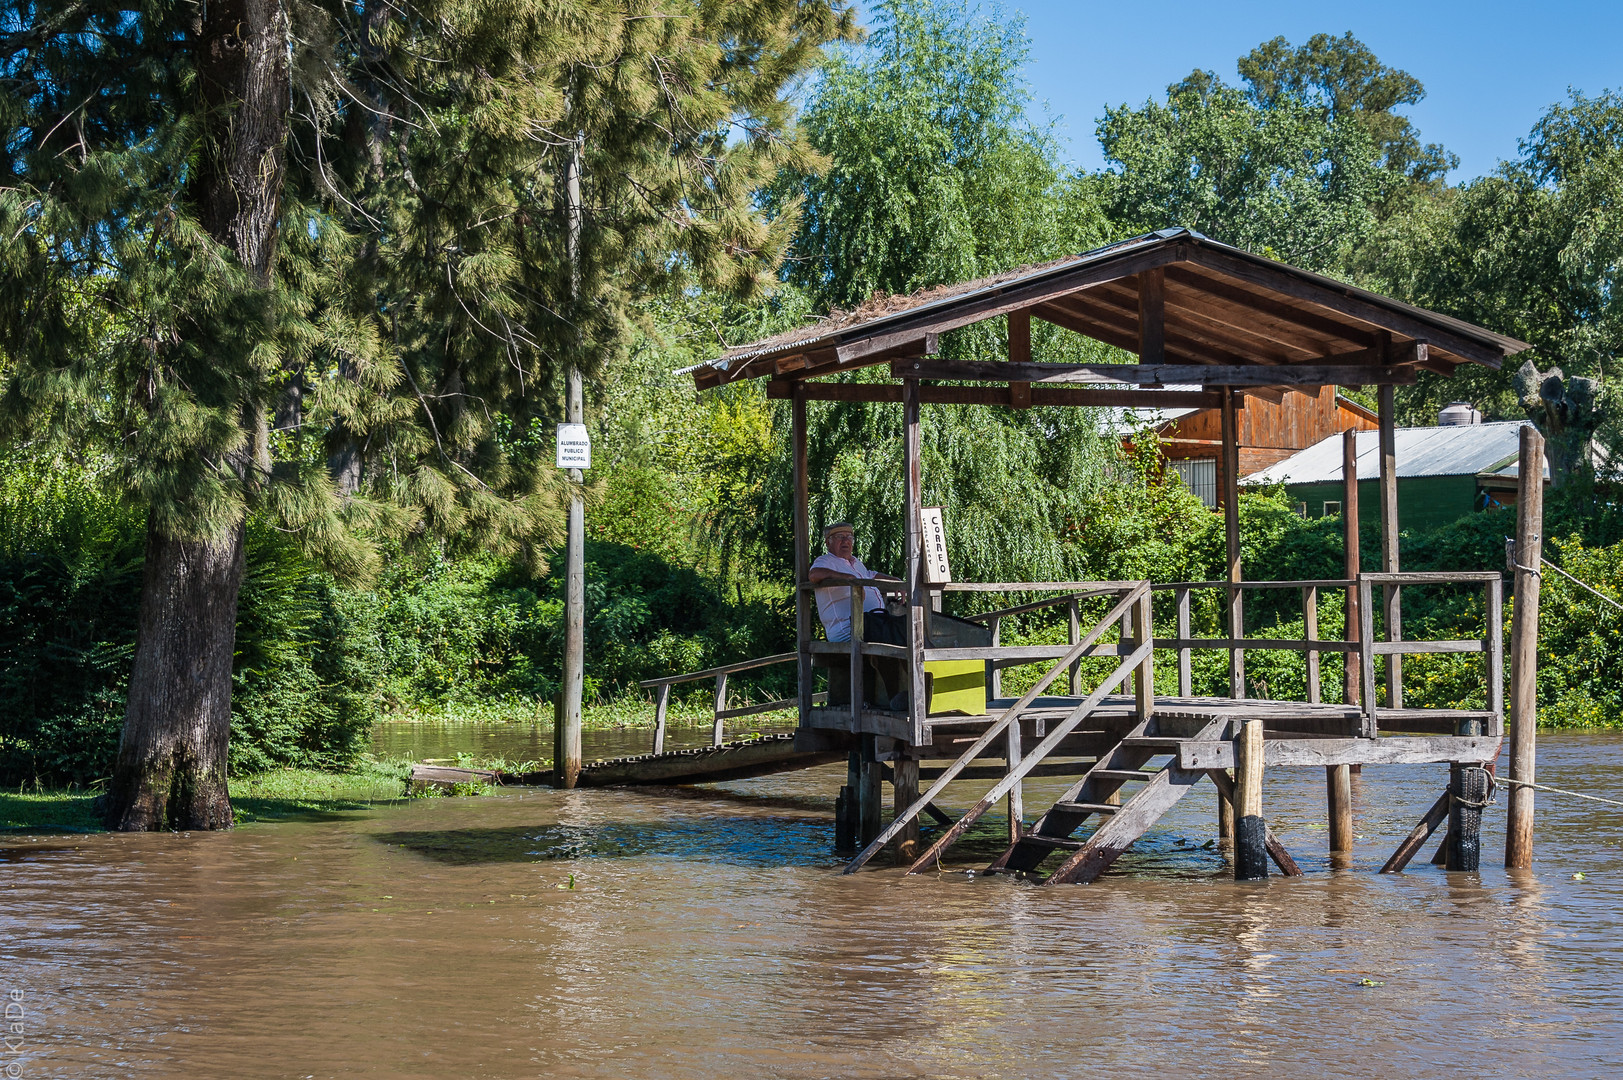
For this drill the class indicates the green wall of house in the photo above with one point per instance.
(1424, 502)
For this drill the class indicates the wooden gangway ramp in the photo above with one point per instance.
(740, 759)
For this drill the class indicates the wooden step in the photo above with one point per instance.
(1171, 742)
(1051, 841)
(1087, 808)
(1123, 774)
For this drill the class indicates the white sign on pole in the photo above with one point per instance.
(933, 532)
(574, 447)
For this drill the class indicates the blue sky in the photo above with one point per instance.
(1490, 68)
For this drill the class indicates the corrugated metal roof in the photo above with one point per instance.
(1460, 450)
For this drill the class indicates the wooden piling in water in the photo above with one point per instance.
(1338, 790)
(1524, 649)
(904, 792)
(1250, 830)
(870, 792)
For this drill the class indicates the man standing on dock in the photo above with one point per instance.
(834, 603)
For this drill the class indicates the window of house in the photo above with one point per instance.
(1301, 509)
(1332, 509)
(1199, 475)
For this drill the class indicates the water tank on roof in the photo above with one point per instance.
(1458, 412)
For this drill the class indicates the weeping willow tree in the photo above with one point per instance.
(934, 176)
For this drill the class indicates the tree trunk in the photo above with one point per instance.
(171, 771)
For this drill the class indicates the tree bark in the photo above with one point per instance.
(171, 771)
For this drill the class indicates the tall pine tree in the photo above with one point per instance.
(307, 261)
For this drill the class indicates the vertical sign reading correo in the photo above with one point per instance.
(574, 447)
(933, 533)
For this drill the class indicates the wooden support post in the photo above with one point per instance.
(1231, 528)
(1017, 793)
(904, 793)
(1389, 543)
(845, 806)
(1186, 674)
(1225, 821)
(918, 596)
(1250, 830)
(857, 630)
(1074, 611)
(1152, 333)
(660, 708)
(1020, 353)
(1349, 539)
(1338, 791)
(1524, 649)
(802, 527)
(1310, 631)
(996, 679)
(870, 792)
(1417, 836)
(1366, 658)
(1141, 618)
(721, 707)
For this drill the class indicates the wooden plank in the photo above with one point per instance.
(1250, 301)
(919, 600)
(762, 757)
(1073, 619)
(721, 707)
(1400, 648)
(1325, 752)
(1338, 802)
(1524, 649)
(660, 707)
(1048, 373)
(917, 342)
(1151, 317)
(1143, 631)
(1122, 828)
(1396, 321)
(1319, 583)
(1044, 396)
(805, 678)
(992, 731)
(1231, 532)
(1418, 836)
(904, 790)
(1185, 666)
(1223, 315)
(1494, 637)
(724, 669)
(1042, 750)
(1442, 577)
(1026, 653)
(780, 705)
(1310, 627)
(1349, 540)
(1258, 644)
(1393, 598)
(1020, 352)
(1096, 315)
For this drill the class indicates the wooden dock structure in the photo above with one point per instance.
(1216, 324)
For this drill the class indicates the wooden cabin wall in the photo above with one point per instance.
(1269, 432)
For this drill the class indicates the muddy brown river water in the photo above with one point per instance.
(708, 934)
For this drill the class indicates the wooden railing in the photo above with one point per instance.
(1183, 642)
(720, 710)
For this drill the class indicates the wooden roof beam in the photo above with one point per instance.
(1152, 316)
(1191, 278)
(1252, 375)
(1178, 343)
(1068, 396)
(1236, 338)
(1355, 307)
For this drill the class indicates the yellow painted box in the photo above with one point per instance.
(956, 686)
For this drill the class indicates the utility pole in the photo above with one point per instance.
(566, 726)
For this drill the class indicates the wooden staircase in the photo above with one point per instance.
(1155, 791)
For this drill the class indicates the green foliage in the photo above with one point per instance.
(1284, 179)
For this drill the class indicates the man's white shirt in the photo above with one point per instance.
(834, 603)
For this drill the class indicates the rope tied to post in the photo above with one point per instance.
(1492, 788)
(1558, 791)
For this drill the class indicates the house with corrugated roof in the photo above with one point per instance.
(1443, 472)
